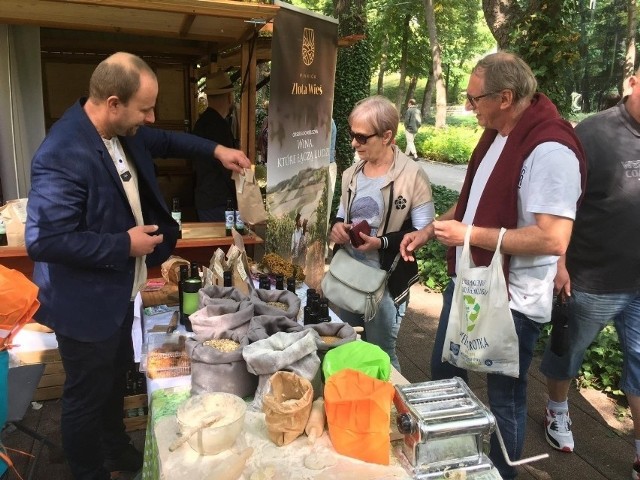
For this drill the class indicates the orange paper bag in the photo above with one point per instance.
(358, 413)
(18, 303)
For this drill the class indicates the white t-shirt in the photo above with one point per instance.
(550, 184)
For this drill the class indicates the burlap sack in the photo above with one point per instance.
(263, 326)
(332, 334)
(216, 295)
(265, 303)
(294, 352)
(213, 370)
(287, 405)
(215, 320)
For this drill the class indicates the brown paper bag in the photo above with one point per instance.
(287, 406)
(249, 197)
(14, 216)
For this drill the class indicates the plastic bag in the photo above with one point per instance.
(481, 335)
(18, 302)
(358, 413)
(287, 406)
(362, 356)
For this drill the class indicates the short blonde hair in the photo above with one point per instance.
(379, 112)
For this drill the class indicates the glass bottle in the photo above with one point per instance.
(3, 234)
(227, 278)
(279, 282)
(190, 298)
(291, 284)
(229, 218)
(177, 215)
(184, 275)
(239, 223)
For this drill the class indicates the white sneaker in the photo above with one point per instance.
(557, 430)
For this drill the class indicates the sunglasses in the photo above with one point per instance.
(361, 138)
(473, 101)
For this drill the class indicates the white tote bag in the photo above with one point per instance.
(481, 335)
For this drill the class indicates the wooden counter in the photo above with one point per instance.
(198, 242)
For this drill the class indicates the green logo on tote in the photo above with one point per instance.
(473, 309)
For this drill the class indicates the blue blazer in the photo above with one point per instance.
(78, 216)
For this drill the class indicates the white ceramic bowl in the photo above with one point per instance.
(223, 433)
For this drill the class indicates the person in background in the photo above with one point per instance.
(95, 219)
(526, 174)
(601, 271)
(412, 122)
(296, 240)
(214, 185)
(393, 195)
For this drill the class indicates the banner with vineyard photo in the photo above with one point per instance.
(303, 63)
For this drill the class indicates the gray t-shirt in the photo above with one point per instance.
(603, 256)
(367, 205)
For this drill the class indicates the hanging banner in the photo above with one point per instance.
(303, 65)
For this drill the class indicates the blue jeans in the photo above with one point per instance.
(590, 313)
(382, 330)
(507, 395)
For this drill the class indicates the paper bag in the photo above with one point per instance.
(249, 197)
(358, 413)
(14, 216)
(18, 303)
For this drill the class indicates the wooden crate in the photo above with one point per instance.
(50, 386)
(139, 422)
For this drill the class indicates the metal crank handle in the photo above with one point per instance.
(522, 461)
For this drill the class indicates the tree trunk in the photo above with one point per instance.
(632, 23)
(403, 62)
(441, 92)
(501, 16)
(426, 99)
(383, 64)
(411, 91)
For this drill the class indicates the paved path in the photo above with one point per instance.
(604, 443)
(444, 174)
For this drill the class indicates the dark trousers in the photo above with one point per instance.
(93, 400)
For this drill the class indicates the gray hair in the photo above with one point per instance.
(379, 112)
(507, 71)
(118, 75)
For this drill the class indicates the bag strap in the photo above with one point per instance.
(497, 256)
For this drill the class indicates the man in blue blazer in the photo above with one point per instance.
(96, 219)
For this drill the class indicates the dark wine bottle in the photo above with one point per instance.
(229, 218)
(177, 215)
(3, 234)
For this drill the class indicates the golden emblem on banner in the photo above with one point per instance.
(308, 46)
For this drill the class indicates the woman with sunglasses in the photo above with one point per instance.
(393, 194)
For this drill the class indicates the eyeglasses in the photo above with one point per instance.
(473, 101)
(360, 138)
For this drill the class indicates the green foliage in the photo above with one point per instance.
(353, 73)
(602, 364)
(448, 145)
(547, 38)
(432, 258)
(280, 232)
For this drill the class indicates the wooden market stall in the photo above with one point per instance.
(182, 40)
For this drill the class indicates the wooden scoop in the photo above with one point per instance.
(206, 422)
